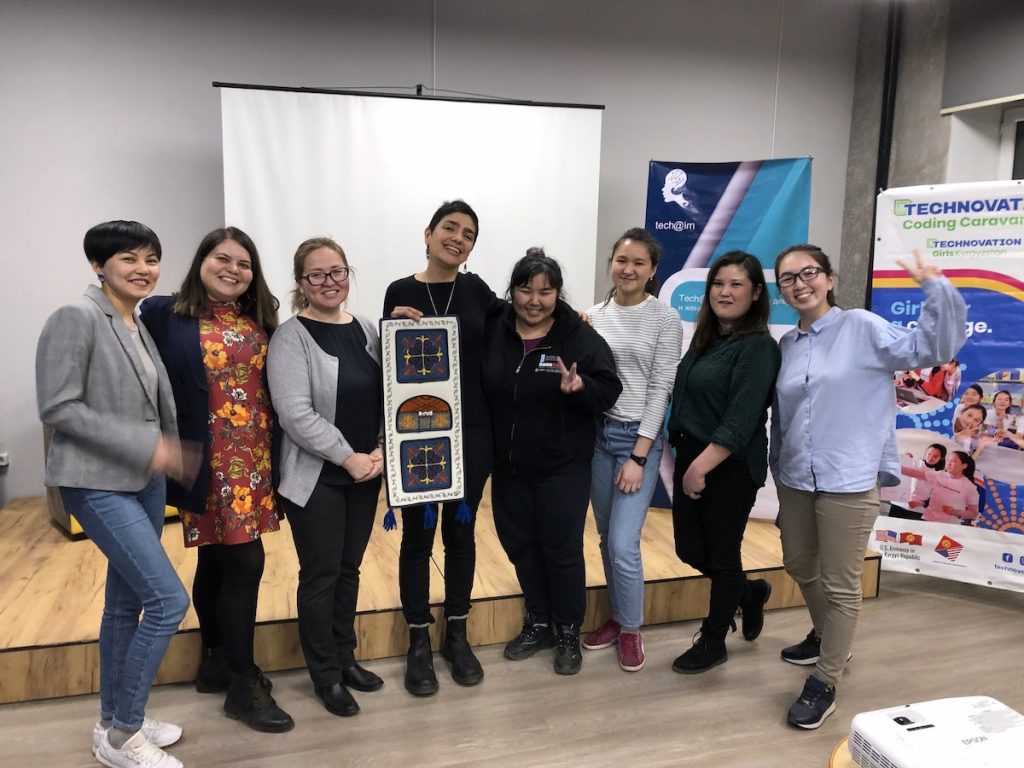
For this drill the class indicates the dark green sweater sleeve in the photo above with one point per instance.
(751, 384)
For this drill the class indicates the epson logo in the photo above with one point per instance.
(991, 205)
(675, 226)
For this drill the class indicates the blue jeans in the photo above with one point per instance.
(126, 528)
(620, 517)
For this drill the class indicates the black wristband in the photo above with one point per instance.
(641, 460)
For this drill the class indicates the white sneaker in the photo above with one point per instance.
(137, 752)
(160, 734)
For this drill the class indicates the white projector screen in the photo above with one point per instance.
(369, 171)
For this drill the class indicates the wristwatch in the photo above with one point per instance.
(641, 460)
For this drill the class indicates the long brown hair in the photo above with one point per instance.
(756, 318)
(257, 302)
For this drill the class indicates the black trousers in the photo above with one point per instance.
(459, 542)
(540, 525)
(225, 592)
(709, 530)
(331, 533)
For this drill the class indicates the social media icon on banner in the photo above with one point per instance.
(1007, 557)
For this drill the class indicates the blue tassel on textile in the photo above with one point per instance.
(390, 523)
(464, 514)
(429, 516)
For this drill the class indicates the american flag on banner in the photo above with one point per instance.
(889, 536)
(949, 548)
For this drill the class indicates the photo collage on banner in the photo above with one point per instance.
(958, 513)
(422, 410)
(698, 211)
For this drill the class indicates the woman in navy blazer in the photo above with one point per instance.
(102, 388)
(213, 336)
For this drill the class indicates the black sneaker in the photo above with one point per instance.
(533, 638)
(805, 652)
(707, 652)
(752, 609)
(816, 702)
(568, 657)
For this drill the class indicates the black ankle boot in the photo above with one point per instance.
(755, 596)
(568, 658)
(708, 651)
(214, 675)
(420, 679)
(249, 700)
(466, 670)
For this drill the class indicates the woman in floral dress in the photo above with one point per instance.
(213, 336)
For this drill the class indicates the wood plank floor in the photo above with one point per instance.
(926, 639)
(51, 594)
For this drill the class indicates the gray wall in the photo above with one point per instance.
(920, 140)
(106, 111)
(984, 58)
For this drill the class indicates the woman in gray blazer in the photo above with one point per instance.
(103, 390)
(324, 372)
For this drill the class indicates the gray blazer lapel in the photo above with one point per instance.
(124, 336)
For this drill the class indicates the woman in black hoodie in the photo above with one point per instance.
(547, 376)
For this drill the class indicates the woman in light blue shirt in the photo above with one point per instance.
(834, 443)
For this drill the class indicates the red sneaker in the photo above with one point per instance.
(605, 635)
(631, 651)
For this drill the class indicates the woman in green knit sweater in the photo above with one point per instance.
(724, 386)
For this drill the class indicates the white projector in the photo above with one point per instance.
(967, 732)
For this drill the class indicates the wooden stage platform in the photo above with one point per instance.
(51, 597)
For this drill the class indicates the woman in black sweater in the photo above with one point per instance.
(724, 386)
(440, 289)
(547, 375)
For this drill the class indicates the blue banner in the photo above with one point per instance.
(698, 211)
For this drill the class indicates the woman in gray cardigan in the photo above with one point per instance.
(324, 374)
(104, 392)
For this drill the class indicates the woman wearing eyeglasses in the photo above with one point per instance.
(834, 443)
(325, 384)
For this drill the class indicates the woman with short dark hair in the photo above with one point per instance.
(438, 290)
(103, 390)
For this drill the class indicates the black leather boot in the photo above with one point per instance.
(466, 670)
(420, 679)
(214, 675)
(249, 700)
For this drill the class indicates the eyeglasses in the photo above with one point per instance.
(806, 275)
(338, 275)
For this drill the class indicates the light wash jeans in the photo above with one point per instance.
(620, 517)
(126, 528)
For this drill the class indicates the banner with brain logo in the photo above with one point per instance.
(962, 418)
(698, 211)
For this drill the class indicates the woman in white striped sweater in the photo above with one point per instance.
(646, 338)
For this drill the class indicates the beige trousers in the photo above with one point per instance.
(824, 536)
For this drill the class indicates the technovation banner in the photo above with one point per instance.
(966, 413)
(698, 211)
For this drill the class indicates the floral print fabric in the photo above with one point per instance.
(241, 505)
